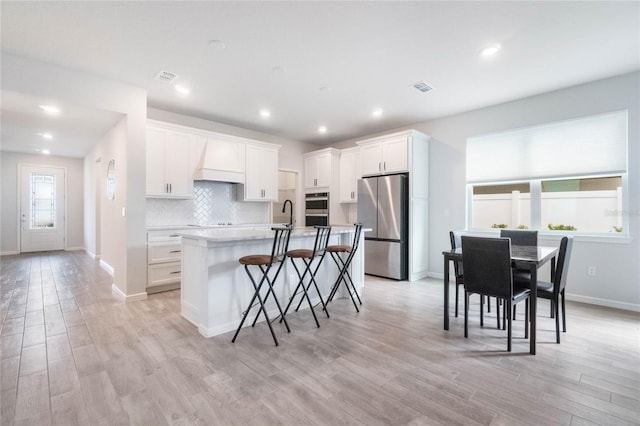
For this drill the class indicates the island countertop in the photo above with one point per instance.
(259, 232)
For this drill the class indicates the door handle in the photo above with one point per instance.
(384, 165)
(170, 188)
(379, 166)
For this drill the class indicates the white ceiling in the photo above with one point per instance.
(366, 53)
(75, 129)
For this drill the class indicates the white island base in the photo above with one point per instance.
(216, 289)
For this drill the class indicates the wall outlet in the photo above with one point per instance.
(591, 271)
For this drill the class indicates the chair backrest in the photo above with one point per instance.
(280, 242)
(562, 266)
(456, 242)
(520, 237)
(487, 266)
(356, 237)
(322, 239)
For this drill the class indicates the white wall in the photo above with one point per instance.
(108, 223)
(9, 194)
(37, 78)
(618, 280)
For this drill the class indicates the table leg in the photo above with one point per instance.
(446, 293)
(533, 311)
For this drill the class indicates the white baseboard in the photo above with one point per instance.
(9, 253)
(603, 302)
(131, 298)
(92, 255)
(438, 275)
(74, 248)
(104, 265)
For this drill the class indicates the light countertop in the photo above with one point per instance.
(259, 232)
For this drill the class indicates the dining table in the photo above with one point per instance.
(522, 257)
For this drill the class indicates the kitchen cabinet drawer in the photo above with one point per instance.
(161, 253)
(164, 273)
(164, 235)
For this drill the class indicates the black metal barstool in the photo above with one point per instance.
(308, 257)
(343, 265)
(265, 262)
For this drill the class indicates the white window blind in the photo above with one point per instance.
(584, 146)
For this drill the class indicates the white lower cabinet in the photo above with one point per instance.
(164, 260)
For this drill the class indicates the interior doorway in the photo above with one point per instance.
(287, 190)
(42, 208)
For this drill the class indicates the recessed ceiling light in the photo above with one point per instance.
(217, 44)
(265, 113)
(377, 112)
(46, 152)
(49, 109)
(322, 129)
(46, 135)
(183, 90)
(490, 50)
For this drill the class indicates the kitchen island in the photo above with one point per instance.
(216, 289)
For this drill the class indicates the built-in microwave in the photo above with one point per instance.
(316, 208)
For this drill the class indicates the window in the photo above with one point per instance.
(43, 201)
(565, 176)
(501, 206)
(587, 204)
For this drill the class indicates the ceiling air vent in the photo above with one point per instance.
(166, 76)
(422, 86)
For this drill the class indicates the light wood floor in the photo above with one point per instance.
(72, 354)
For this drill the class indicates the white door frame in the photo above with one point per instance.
(19, 202)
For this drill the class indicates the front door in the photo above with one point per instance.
(42, 205)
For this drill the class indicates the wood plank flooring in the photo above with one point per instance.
(72, 354)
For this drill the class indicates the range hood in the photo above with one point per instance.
(217, 162)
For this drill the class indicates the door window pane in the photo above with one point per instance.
(501, 206)
(583, 204)
(43, 201)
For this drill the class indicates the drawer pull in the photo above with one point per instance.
(174, 235)
(174, 272)
(175, 251)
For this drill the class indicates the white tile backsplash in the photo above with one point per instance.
(213, 203)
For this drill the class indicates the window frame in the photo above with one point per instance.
(535, 188)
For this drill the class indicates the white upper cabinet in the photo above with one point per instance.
(317, 170)
(169, 172)
(384, 156)
(349, 175)
(261, 176)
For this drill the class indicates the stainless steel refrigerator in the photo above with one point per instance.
(383, 207)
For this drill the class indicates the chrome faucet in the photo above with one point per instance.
(284, 206)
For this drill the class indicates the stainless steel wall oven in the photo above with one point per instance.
(316, 208)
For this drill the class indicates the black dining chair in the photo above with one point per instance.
(487, 271)
(454, 237)
(554, 290)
